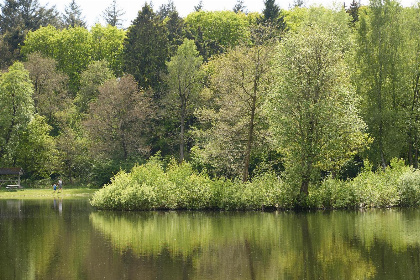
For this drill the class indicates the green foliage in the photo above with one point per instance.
(72, 16)
(17, 17)
(146, 49)
(272, 15)
(119, 120)
(380, 79)
(233, 123)
(37, 152)
(107, 44)
(314, 109)
(216, 32)
(16, 111)
(151, 186)
(96, 74)
(50, 88)
(176, 33)
(75, 48)
(409, 188)
(335, 20)
(184, 82)
(397, 185)
(112, 15)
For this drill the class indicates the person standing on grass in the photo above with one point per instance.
(60, 184)
(55, 187)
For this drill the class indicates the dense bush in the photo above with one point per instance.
(397, 185)
(152, 186)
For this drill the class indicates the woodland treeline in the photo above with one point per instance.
(304, 93)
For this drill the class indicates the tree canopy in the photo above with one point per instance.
(301, 94)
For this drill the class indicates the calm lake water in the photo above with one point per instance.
(67, 239)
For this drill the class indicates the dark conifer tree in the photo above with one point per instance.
(112, 15)
(72, 16)
(353, 10)
(199, 6)
(271, 11)
(298, 3)
(272, 15)
(17, 17)
(166, 9)
(239, 7)
(175, 26)
(146, 49)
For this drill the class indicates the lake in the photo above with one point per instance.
(68, 239)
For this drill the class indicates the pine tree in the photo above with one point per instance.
(17, 17)
(112, 15)
(272, 15)
(239, 6)
(146, 49)
(175, 26)
(166, 9)
(271, 11)
(72, 16)
(199, 6)
(298, 3)
(353, 10)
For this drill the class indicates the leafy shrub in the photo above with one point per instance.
(149, 186)
(409, 188)
(178, 186)
(382, 188)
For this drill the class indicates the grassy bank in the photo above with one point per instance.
(152, 187)
(45, 193)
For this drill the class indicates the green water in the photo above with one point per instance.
(67, 239)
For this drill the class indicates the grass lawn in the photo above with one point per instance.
(45, 193)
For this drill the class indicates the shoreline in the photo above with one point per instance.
(46, 193)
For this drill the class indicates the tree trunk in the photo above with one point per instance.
(181, 134)
(304, 187)
(252, 120)
(413, 131)
(249, 141)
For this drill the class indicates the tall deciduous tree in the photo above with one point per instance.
(379, 79)
(216, 32)
(71, 48)
(37, 152)
(50, 87)
(16, 110)
(75, 48)
(146, 49)
(119, 120)
(314, 109)
(184, 83)
(91, 79)
(107, 44)
(411, 67)
(73, 153)
(235, 126)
